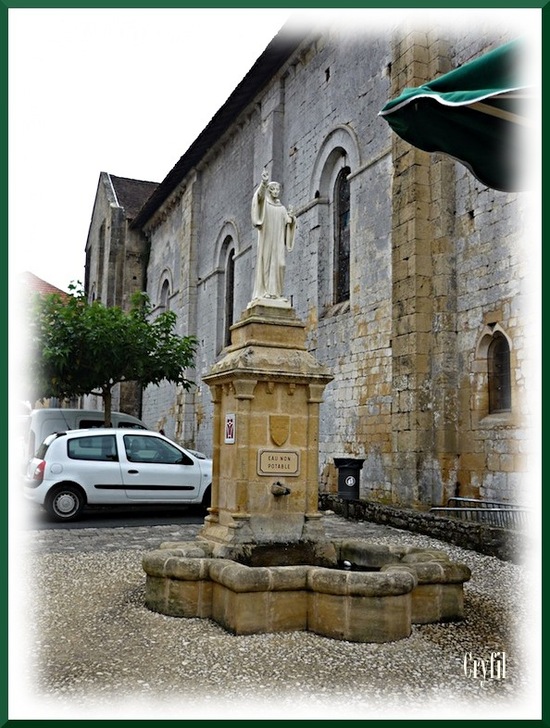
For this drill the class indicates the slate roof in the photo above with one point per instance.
(271, 60)
(132, 194)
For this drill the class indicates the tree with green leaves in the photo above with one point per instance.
(78, 347)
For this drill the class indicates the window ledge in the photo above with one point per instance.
(497, 419)
(336, 310)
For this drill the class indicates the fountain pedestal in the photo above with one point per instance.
(261, 562)
(266, 391)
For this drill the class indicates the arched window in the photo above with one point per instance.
(165, 296)
(342, 237)
(101, 261)
(229, 294)
(499, 380)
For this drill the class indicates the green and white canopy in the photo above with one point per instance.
(477, 114)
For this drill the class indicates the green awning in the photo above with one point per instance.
(477, 114)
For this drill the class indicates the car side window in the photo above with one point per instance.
(88, 424)
(99, 447)
(141, 449)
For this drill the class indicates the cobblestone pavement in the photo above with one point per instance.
(88, 648)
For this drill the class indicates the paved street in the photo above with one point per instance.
(121, 517)
(86, 537)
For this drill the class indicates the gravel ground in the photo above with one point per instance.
(88, 648)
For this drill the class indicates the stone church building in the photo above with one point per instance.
(410, 276)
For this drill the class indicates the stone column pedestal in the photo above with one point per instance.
(266, 391)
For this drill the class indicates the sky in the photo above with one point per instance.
(124, 91)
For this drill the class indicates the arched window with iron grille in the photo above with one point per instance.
(229, 293)
(342, 237)
(499, 379)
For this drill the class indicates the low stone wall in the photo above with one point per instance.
(499, 542)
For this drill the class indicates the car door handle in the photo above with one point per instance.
(133, 472)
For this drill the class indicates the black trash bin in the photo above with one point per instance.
(349, 477)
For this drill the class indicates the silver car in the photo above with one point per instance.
(114, 467)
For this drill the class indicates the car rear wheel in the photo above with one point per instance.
(206, 501)
(65, 503)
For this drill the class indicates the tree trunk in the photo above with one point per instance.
(107, 406)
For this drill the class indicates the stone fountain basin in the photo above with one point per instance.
(402, 586)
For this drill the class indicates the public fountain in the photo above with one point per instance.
(262, 562)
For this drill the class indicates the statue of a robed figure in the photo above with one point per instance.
(276, 229)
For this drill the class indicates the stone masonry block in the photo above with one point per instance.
(189, 598)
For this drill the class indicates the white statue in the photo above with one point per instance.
(276, 228)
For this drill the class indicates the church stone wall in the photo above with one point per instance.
(435, 268)
(168, 277)
(116, 259)
(493, 295)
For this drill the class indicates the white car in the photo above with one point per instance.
(114, 467)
